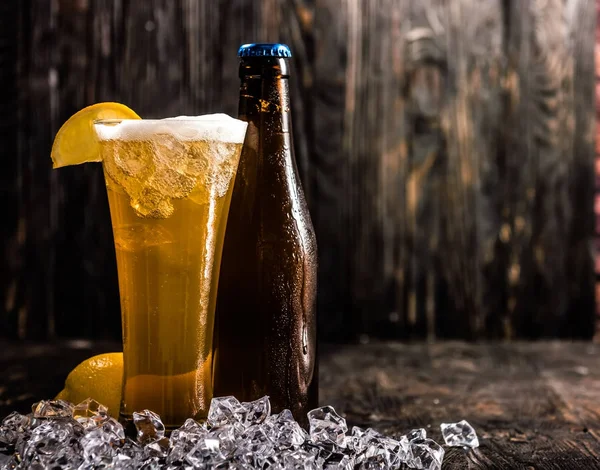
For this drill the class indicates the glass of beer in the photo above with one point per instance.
(169, 187)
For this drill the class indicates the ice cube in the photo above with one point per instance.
(369, 443)
(149, 427)
(52, 409)
(184, 439)
(375, 462)
(326, 426)
(172, 182)
(16, 422)
(426, 454)
(214, 449)
(191, 430)
(241, 466)
(161, 163)
(169, 153)
(151, 464)
(131, 449)
(400, 450)
(270, 461)
(47, 441)
(123, 462)
(256, 440)
(226, 410)
(201, 453)
(89, 413)
(284, 431)
(68, 456)
(257, 411)
(336, 461)
(8, 461)
(158, 448)
(113, 430)
(299, 460)
(97, 446)
(212, 445)
(13, 428)
(227, 438)
(355, 441)
(459, 434)
(416, 434)
(89, 408)
(135, 237)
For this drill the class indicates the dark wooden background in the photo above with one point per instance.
(446, 149)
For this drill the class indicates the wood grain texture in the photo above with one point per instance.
(532, 405)
(446, 150)
(459, 204)
(597, 172)
(580, 293)
(546, 125)
(460, 201)
(10, 176)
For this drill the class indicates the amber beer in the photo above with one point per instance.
(169, 187)
(265, 339)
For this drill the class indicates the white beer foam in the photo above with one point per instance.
(219, 127)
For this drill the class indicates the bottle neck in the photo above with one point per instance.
(264, 95)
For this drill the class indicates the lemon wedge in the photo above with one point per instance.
(76, 141)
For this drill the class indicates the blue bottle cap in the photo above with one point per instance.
(264, 50)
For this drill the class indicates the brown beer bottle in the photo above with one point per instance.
(265, 334)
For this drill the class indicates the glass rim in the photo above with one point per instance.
(117, 121)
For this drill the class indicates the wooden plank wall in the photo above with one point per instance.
(446, 148)
(597, 173)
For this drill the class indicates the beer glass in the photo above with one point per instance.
(169, 186)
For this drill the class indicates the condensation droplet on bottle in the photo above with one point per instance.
(304, 339)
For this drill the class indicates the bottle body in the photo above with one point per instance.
(265, 337)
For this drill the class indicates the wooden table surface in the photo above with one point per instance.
(533, 405)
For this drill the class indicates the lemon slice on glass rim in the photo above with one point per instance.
(76, 141)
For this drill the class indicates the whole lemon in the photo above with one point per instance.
(99, 377)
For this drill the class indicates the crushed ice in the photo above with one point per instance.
(236, 436)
